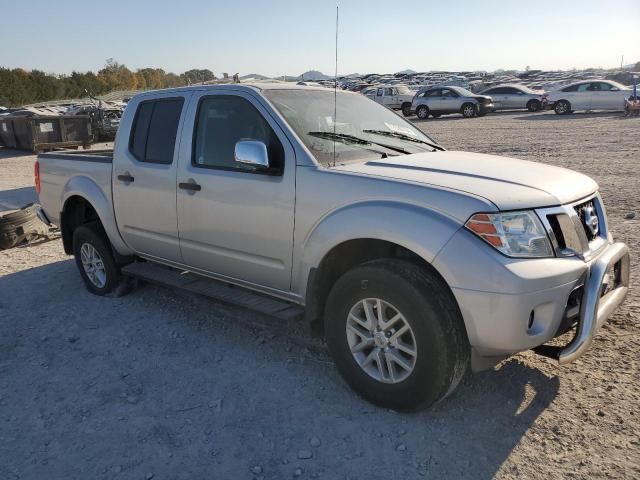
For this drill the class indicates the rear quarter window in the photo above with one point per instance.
(155, 128)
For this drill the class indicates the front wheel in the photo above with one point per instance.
(94, 259)
(468, 110)
(396, 334)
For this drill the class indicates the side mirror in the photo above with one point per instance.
(614, 89)
(253, 153)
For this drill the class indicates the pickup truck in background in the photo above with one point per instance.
(396, 98)
(414, 262)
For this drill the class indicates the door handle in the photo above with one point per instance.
(190, 186)
(125, 178)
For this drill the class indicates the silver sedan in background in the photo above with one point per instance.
(516, 97)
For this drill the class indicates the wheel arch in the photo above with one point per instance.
(360, 233)
(84, 201)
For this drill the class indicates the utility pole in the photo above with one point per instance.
(621, 62)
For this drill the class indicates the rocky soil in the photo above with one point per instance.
(162, 385)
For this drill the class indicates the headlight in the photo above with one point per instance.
(516, 234)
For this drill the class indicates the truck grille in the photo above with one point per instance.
(557, 231)
(578, 228)
(587, 212)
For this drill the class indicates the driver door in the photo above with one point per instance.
(604, 98)
(235, 222)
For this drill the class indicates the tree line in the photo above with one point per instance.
(21, 87)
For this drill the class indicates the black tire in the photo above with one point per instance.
(406, 109)
(94, 235)
(22, 225)
(534, 105)
(422, 112)
(434, 317)
(562, 107)
(468, 110)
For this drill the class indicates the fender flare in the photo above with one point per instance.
(87, 189)
(418, 229)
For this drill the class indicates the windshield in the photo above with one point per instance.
(363, 130)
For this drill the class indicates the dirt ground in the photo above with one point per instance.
(159, 384)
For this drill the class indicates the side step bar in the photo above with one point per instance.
(213, 289)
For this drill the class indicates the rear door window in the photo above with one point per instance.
(155, 128)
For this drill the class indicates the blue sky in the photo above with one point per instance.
(277, 37)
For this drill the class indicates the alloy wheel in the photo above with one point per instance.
(381, 340)
(93, 265)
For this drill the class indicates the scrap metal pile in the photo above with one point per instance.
(59, 125)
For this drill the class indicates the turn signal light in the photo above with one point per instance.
(481, 225)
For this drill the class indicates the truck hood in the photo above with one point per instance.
(508, 183)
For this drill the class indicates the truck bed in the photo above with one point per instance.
(61, 173)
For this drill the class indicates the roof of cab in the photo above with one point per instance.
(255, 87)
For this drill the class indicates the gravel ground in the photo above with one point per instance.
(159, 384)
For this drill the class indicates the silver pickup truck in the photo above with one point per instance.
(414, 262)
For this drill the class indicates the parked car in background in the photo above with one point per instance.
(438, 101)
(360, 87)
(589, 95)
(398, 97)
(513, 97)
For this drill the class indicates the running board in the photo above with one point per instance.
(213, 289)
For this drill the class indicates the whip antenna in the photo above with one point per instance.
(335, 91)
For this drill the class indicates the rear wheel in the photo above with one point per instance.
(533, 105)
(468, 110)
(396, 334)
(422, 112)
(562, 107)
(94, 259)
(406, 109)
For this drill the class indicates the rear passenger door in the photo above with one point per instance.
(581, 99)
(432, 99)
(144, 176)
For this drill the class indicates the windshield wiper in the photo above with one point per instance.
(346, 138)
(404, 137)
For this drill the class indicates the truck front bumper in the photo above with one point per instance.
(597, 303)
(527, 302)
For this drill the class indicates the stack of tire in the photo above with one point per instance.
(21, 226)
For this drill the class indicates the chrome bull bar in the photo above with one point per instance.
(596, 308)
